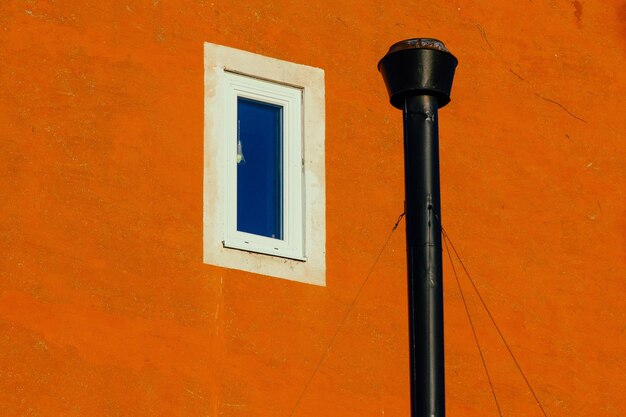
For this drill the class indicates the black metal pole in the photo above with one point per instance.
(418, 74)
(423, 245)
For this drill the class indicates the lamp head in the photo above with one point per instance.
(419, 66)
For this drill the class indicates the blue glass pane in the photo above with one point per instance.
(259, 168)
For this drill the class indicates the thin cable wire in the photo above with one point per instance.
(345, 316)
(519, 368)
(469, 317)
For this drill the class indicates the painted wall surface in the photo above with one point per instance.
(106, 308)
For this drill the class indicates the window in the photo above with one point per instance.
(264, 198)
(264, 167)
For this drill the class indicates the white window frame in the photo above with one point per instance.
(301, 255)
(290, 100)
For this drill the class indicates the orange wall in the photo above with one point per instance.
(106, 308)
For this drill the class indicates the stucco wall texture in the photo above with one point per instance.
(106, 308)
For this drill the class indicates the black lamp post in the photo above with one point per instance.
(418, 74)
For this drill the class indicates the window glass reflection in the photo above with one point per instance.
(259, 168)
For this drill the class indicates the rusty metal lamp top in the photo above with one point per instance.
(418, 66)
(425, 43)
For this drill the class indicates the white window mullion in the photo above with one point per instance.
(229, 138)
